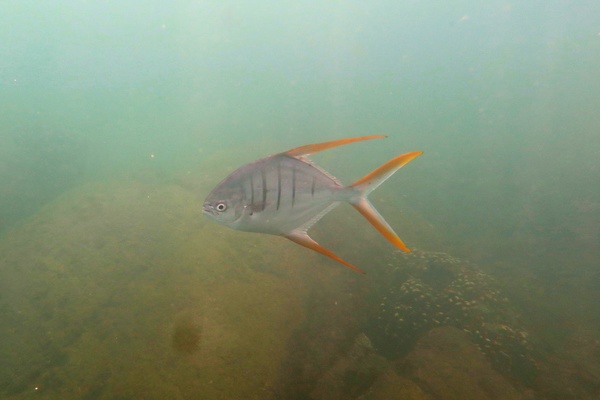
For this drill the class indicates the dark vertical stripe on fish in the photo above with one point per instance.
(251, 193)
(243, 191)
(264, 188)
(293, 185)
(278, 184)
(312, 187)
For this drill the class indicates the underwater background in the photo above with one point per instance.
(118, 118)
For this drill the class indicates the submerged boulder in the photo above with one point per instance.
(122, 290)
(425, 290)
(452, 367)
(392, 386)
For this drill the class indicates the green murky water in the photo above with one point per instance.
(116, 120)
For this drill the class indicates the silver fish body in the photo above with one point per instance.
(285, 194)
(276, 194)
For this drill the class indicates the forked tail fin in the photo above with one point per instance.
(370, 182)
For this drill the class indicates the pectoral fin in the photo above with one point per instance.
(303, 239)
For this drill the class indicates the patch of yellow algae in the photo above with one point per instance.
(94, 285)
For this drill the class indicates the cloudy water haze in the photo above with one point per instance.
(118, 118)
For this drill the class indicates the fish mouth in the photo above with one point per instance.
(208, 209)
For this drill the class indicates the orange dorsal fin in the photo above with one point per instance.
(315, 148)
(303, 239)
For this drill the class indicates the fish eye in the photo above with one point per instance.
(221, 207)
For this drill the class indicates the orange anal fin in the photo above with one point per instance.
(370, 213)
(314, 148)
(303, 239)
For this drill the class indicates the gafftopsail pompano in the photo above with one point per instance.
(285, 194)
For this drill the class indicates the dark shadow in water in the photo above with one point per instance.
(186, 335)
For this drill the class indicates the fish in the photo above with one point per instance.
(285, 194)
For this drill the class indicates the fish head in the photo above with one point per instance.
(224, 205)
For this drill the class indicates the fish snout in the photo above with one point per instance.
(207, 208)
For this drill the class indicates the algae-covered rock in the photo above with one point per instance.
(426, 290)
(352, 373)
(451, 367)
(122, 290)
(391, 386)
